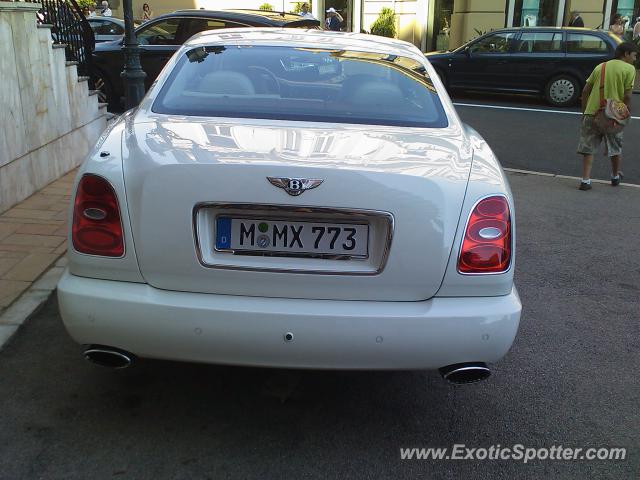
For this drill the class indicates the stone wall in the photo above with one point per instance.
(48, 117)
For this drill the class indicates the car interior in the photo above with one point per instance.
(267, 81)
(539, 43)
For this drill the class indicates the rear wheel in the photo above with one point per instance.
(562, 91)
(105, 92)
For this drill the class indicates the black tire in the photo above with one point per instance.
(562, 91)
(105, 91)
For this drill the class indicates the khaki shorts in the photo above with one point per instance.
(590, 139)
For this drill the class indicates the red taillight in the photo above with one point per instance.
(97, 229)
(486, 247)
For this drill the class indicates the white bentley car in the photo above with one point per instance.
(295, 199)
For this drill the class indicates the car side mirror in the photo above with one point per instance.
(467, 51)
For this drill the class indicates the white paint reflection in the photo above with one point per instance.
(484, 168)
(444, 153)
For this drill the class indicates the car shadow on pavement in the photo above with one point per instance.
(202, 417)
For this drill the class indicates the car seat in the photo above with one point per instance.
(376, 94)
(226, 82)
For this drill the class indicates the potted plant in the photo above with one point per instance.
(385, 24)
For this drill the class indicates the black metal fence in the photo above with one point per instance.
(70, 28)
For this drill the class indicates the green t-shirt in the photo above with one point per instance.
(618, 78)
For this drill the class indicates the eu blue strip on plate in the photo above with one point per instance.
(223, 233)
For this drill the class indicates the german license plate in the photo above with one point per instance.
(302, 238)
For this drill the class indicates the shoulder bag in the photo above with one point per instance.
(612, 116)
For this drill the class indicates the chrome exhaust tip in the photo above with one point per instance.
(108, 357)
(465, 373)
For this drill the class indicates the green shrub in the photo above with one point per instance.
(85, 3)
(266, 6)
(385, 24)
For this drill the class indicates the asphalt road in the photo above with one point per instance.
(540, 140)
(570, 379)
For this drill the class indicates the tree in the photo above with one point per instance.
(385, 24)
(266, 6)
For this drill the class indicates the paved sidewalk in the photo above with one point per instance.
(33, 237)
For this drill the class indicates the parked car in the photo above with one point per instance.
(300, 199)
(107, 29)
(103, 29)
(554, 62)
(161, 37)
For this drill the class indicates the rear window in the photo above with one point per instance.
(540, 42)
(305, 84)
(585, 43)
(106, 28)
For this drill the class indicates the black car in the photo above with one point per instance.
(554, 62)
(107, 29)
(161, 37)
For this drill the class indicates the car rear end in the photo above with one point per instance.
(272, 236)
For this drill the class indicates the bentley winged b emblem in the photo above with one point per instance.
(295, 186)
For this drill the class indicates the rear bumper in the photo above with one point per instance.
(226, 329)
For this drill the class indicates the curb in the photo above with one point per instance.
(30, 302)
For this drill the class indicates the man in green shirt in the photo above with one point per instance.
(620, 74)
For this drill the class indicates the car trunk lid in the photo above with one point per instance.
(404, 186)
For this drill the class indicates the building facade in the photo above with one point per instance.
(430, 24)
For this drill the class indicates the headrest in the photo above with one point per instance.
(227, 82)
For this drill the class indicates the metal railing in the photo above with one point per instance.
(70, 28)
